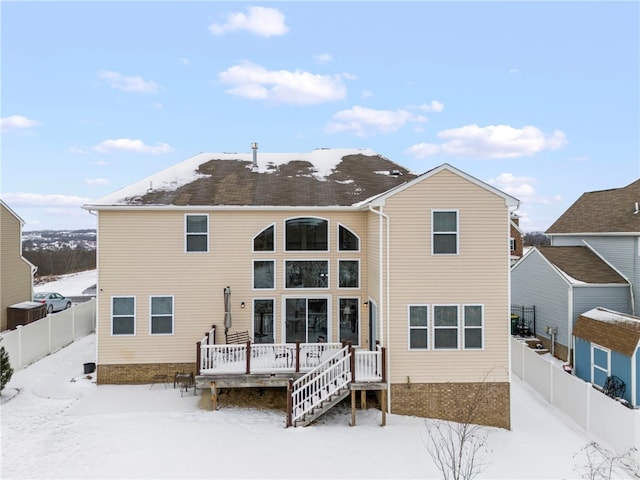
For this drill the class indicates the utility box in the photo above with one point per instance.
(24, 313)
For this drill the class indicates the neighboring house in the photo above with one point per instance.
(516, 242)
(607, 347)
(563, 282)
(593, 261)
(336, 245)
(16, 273)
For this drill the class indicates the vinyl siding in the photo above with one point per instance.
(142, 253)
(15, 272)
(617, 298)
(479, 274)
(535, 282)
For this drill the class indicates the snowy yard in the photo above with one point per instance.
(57, 423)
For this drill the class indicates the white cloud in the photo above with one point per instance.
(323, 58)
(513, 71)
(129, 145)
(433, 106)
(184, 60)
(261, 21)
(128, 84)
(366, 121)
(493, 141)
(23, 199)
(422, 150)
(254, 82)
(523, 188)
(101, 163)
(17, 121)
(96, 181)
(367, 93)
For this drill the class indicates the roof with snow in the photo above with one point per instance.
(580, 265)
(323, 177)
(618, 331)
(604, 211)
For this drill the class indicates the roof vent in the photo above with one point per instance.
(254, 147)
(395, 173)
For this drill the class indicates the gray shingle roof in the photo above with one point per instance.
(233, 180)
(604, 211)
(581, 264)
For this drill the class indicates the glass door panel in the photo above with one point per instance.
(263, 321)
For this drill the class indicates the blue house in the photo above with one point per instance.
(607, 347)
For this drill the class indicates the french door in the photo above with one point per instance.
(306, 319)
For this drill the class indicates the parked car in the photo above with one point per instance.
(55, 302)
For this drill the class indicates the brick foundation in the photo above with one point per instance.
(138, 373)
(451, 401)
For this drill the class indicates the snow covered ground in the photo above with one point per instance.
(71, 285)
(57, 423)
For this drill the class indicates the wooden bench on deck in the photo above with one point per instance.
(238, 337)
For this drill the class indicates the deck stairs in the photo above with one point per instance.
(320, 389)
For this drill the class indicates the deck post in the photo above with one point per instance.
(297, 356)
(363, 399)
(383, 406)
(289, 402)
(214, 396)
(248, 357)
(198, 357)
(383, 359)
(353, 408)
(352, 362)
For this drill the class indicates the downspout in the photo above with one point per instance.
(633, 303)
(385, 306)
(570, 355)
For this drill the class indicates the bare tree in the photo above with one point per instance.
(598, 463)
(459, 449)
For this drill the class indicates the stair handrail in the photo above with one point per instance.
(310, 390)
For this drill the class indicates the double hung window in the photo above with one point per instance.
(418, 327)
(197, 233)
(161, 315)
(123, 315)
(444, 239)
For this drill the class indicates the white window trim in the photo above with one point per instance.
(457, 231)
(253, 271)
(173, 316)
(262, 252)
(283, 312)
(435, 328)
(359, 332)
(338, 239)
(134, 317)
(294, 289)
(310, 252)
(595, 346)
(464, 327)
(253, 314)
(186, 234)
(359, 273)
(428, 328)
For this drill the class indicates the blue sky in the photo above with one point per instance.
(540, 99)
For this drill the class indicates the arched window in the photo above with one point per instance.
(264, 241)
(307, 234)
(347, 240)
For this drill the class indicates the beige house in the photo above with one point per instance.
(306, 252)
(16, 273)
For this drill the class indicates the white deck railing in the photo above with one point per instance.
(368, 365)
(263, 358)
(310, 390)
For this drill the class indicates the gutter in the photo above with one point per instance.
(385, 307)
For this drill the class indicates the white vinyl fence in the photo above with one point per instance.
(29, 343)
(617, 426)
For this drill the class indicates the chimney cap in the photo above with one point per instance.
(254, 145)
